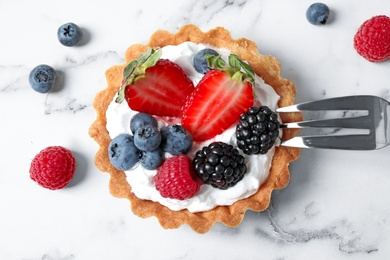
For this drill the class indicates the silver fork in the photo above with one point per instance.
(375, 122)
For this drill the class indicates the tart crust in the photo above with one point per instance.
(267, 67)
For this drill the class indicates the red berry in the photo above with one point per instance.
(215, 105)
(162, 91)
(174, 178)
(372, 41)
(53, 167)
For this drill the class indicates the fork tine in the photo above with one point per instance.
(338, 103)
(376, 121)
(361, 122)
(345, 142)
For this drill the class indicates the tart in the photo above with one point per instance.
(264, 66)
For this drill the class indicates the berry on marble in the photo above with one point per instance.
(200, 62)
(42, 78)
(122, 152)
(175, 139)
(372, 40)
(317, 13)
(53, 167)
(147, 138)
(69, 34)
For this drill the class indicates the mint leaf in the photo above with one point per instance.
(129, 69)
(234, 62)
(121, 94)
(248, 70)
(144, 56)
(215, 62)
(152, 59)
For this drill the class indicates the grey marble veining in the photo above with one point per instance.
(336, 205)
(344, 233)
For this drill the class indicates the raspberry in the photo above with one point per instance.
(174, 178)
(372, 40)
(53, 167)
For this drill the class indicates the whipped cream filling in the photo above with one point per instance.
(142, 180)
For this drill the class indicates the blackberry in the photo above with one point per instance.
(257, 130)
(220, 165)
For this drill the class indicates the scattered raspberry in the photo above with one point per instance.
(372, 41)
(174, 178)
(53, 167)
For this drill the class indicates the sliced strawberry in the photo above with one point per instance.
(162, 91)
(217, 102)
(155, 86)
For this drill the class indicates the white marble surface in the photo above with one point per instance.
(337, 205)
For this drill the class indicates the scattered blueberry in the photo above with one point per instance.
(140, 120)
(147, 138)
(175, 139)
(42, 78)
(69, 34)
(122, 152)
(200, 62)
(317, 13)
(153, 159)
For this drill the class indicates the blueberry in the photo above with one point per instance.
(200, 63)
(122, 152)
(317, 13)
(153, 159)
(176, 140)
(69, 34)
(42, 78)
(140, 120)
(147, 138)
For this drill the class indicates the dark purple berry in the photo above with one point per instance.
(153, 159)
(122, 152)
(317, 13)
(42, 78)
(147, 138)
(257, 130)
(200, 62)
(69, 34)
(140, 120)
(220, 165)
(175, 140)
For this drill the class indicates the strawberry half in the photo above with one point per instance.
(155, 86)
(219, 99)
